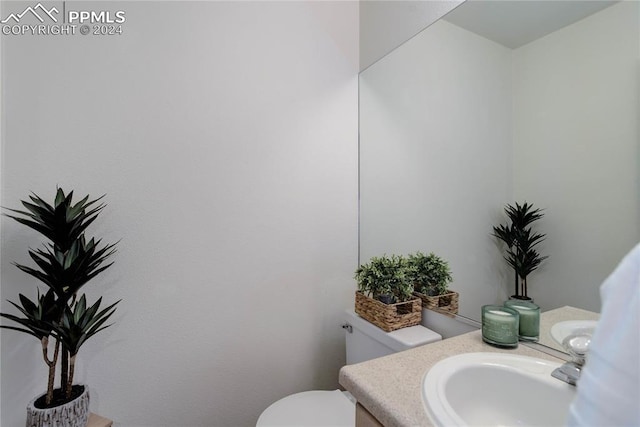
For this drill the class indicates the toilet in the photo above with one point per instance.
(364, 341)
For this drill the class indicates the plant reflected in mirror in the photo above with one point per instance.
(521, 243)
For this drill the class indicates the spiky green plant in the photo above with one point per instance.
(65, 263)
(78, 324)
(521, 242)
(39, 320)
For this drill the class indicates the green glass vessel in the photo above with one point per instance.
(529, 329)
(500, 325)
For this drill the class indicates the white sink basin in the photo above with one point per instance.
(561, 330)
(495, 389)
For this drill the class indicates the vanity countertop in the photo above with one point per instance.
(390, 387)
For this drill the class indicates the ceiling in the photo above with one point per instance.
(514, 23)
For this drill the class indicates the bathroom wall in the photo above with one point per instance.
(385, 25)
(577, 155)
(225, 137)
(1, 180)
(435, 155)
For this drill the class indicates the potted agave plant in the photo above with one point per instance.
(521, 242)
(60, 318)
(385, 293)
(431, 275)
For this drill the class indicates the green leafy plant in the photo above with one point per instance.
(65, 263)
(386, 279)
(521, 241)
(429, 274)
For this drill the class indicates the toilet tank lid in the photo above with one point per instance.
(398, 340)
(413, 336)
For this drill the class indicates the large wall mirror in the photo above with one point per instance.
(501, 102)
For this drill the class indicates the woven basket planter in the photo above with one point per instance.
(72, 414)
(447, 302)
(389, 317)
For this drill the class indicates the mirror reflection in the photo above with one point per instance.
(472, 115)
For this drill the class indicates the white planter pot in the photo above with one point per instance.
(71, 414)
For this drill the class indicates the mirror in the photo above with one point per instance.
(385, 25)
(471, 114)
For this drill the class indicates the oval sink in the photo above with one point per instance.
(561, 330)
(495, 389)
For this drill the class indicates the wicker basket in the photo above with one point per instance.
(389, 317)
(447, 302)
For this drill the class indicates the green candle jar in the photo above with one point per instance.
(529, 329)
(500, 325)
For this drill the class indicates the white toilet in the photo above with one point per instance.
(364, 341)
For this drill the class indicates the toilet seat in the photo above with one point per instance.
(310, 408)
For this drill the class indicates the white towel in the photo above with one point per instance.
(609, 387)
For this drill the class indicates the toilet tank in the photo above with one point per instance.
(365, 341)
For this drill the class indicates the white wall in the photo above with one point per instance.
(576, 150)
(225, 137)
(435, 156)
(1, 162)
(385, 25)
